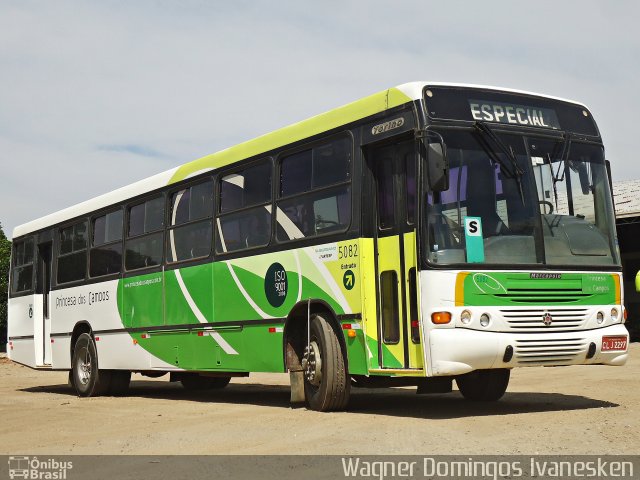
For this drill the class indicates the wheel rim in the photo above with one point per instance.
(312, 364)
(83, 367)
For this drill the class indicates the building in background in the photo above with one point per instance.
(626, 195)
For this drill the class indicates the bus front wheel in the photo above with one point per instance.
(326, 381)
(484, 385)
(88, 380)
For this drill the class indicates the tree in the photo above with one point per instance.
(5, 256)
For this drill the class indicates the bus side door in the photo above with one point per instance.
(393, 167)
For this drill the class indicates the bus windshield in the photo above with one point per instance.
(535, 200)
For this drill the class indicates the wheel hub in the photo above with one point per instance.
(312, 364)
(83, 368)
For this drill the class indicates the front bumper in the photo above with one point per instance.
(455, 351)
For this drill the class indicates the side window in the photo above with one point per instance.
(244, 219)
(143, 245)
(72, 256)
(315, 191)
(22, 266)
(410, 166)
(190, 229)
(105, 256)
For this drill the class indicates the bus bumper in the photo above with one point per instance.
(455, 351)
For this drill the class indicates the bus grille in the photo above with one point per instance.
(549, 351)
(544, 295)
(531, 320)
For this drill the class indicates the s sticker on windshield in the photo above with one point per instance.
(473, 237)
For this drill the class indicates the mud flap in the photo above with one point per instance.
(297, 387)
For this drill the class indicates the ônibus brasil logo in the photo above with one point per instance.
(33, 468)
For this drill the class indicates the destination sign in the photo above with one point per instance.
(513, 114)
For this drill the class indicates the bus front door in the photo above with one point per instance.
(394, 178)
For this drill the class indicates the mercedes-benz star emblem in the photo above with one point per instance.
(547, 319)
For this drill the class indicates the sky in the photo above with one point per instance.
(95, 95)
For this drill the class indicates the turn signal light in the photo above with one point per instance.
(440, 318)
(351, 333)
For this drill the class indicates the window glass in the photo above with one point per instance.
(136, 220)
(331, 163)
(154, 214)
(323, 211)
(107, 228)
(386, 195)
(72, 267)
(105, 260)
(201, 200)
(146, 217)
(249, 187)
(66, 240)
(390, 313)
(189, 241)
(245, 229)
(22, 279)
(22, 271)
(79, 236)
(72, 260)
(144, 251)
(23, 252)
(192, 203)
(317, 209)
(295, 174)
(410, 164)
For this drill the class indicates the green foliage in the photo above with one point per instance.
(5, 255)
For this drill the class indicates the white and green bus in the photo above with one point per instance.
(428, 233)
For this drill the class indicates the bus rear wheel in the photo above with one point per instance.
(326, 381)
(484, 385)
(88, 380)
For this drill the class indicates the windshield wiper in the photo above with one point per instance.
(513, 170)
(564, 156)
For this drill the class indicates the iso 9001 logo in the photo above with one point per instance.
(33, 468)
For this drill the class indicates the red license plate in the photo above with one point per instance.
(614, 343)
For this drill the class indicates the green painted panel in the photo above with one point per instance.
(521, 289)
(142, 304)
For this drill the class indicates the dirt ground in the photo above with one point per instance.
(568, 410)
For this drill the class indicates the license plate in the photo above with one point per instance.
(614, 343)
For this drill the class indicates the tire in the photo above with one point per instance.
(120, 380)
(193, 381)
(331, 388)
(484, 385)
(88, 379)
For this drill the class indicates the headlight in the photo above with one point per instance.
(465, 316)
(484, 319)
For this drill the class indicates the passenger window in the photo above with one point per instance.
(315, 195)
(22, 269)
(72, 257)
(190, 232)
(105, 257)
(245, 209)
(144, 243)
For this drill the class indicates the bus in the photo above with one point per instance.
(428, 233)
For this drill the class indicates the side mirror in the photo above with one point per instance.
(437, 163)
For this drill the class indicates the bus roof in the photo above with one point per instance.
(351, 112)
